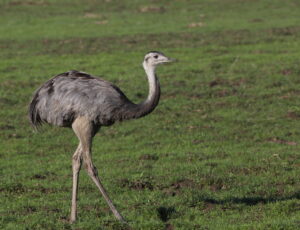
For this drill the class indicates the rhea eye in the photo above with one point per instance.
(156, 56)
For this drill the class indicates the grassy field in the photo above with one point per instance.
(221, 151)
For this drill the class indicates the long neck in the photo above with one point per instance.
(147, 106)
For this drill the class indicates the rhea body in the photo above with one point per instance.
(85, 103)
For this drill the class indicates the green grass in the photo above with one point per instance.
(221, 151)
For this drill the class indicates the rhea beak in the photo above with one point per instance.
(168, 60)
(172, 60)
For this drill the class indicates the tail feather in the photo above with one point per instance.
(34, 117)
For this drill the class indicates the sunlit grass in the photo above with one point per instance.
(221, 150)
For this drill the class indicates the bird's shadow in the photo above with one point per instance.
(165, 213)
(250, 201)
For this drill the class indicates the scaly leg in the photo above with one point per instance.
(76, 165)
(92, 171)
(85, 131)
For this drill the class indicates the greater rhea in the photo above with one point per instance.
(85, 103)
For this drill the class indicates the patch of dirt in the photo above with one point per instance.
(225, 82)
(281, 141)
(211, 164)
(92, 15)
(7, 127)
(15, 135)
(221, 155)
(293, 115)
(179, 83)
(223, 93)
(38, 176)
(103, 22)
(6, 101)
(14, 189)
(50, 190)
(10, 68)
(30, 209)
(136, 185)
(169, 227)
(196, 24)
(65, 220)
(286, 72)
(208, 206)
(255, 170)
(290, 94)
(196, 95)
(149, 157)
(275, 84)
(45, 190)
(196, 141)
(114, 225)
(28, 3)
(152, 9)
(217, 187)
(214, 83)
(51, 210)
(89, 207)
(287, 31)
(176, 187)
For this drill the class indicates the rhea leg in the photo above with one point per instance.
(76, 165)
(85, 131)
(92, 171)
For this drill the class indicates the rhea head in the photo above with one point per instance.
(154, 58)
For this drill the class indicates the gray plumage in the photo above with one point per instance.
(69, 95)
(85, 103)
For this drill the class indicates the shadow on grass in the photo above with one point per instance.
(165, 213)
(249, 200)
